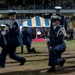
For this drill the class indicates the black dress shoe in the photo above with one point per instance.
(33, 50)
(62, 63)
(51, 70)
(2, 66)
(23, 62)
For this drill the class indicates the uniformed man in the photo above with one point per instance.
(63, 21)
(14, 40)
(3, 37)
(27, 38)
(57, 44)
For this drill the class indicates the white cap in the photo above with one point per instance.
(55, 16)
(12, 12)
(3, 25)
(58, 7)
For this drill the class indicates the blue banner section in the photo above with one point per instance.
(21, 24)
(46, 22)
(29, 22)
(38, 21)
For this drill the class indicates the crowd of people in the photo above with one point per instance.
(64, 5)
(68, 5)
(50, 5)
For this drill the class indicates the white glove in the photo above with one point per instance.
(47, 39)
(3, 32)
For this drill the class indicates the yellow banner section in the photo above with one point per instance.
(33, 22)
(25, 23)
(42, 21)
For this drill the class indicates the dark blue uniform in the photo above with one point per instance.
(27, 39)
(3, 40)
(26, 36)
(57, 47)
(14, 40)
(63, 21)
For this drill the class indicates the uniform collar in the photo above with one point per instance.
(55, 27)
(12, 20)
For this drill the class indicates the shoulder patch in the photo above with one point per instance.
(14, 26)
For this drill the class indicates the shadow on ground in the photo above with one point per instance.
(64, 70)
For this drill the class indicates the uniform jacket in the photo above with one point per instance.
(26, 37)
(3, 40)
(54, 38)
(14, 33)
(63, 21)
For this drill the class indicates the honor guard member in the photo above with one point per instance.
(63, 21)
(27, 38)
(3, 37)
(57, 44)
(14, 40)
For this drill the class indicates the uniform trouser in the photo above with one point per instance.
(10, 49)
(55, 54)
(1, 45)
(28, 46)
(48, 45)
